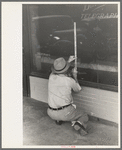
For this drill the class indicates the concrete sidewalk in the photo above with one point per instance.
(39, 129)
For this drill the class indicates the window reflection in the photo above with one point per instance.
(53, 37)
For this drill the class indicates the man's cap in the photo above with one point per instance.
(60, 65)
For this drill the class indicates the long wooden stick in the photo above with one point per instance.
(75, 46)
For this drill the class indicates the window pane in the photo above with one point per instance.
(52, 36)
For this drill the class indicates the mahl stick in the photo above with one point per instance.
(75, 46)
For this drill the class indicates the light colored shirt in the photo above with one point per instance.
(60, 90)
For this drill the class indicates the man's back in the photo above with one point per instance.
(60, 90)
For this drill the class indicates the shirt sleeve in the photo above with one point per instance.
(74, 85)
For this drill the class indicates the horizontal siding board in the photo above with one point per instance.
(95, 107)
(100, 113)
(94, 91)
(99, 94)
(105, 105)
(87, 95)
(96, 102)
(110, 109)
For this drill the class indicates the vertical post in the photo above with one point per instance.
(75, 46)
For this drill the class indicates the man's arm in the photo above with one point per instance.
(75, 85)
(74, 73)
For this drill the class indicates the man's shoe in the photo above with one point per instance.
(77, 125)
(58, 122)
(81, 128)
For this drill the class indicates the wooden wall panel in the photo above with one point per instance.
(39, 89)
(96, 102)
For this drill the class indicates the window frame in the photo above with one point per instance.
(46, 76)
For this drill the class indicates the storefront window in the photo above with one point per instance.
(52, 36)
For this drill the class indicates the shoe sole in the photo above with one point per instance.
(77, 127)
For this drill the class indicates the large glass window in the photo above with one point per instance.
(52, 36)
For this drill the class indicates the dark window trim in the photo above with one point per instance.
(99, 86)
(26, 50)
(83, 83)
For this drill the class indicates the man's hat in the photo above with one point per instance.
(60, 65)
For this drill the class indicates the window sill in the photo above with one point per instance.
(82, 83)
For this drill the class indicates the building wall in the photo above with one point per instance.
(96, 102)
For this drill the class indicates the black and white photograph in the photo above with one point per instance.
(70, 74)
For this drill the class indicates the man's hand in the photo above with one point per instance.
(71, 58)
